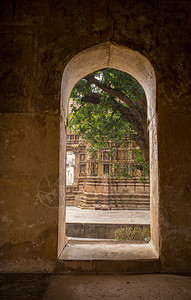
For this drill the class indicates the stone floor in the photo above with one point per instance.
(83, 287)
(85, 223)
(108, 251)
(77, 215)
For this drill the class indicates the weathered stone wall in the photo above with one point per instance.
(38, 38)
(29, 191)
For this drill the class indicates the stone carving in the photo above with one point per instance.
(93, 181)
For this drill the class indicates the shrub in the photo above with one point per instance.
(132, 233)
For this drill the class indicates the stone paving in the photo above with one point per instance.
(78, 287)
(77, 215)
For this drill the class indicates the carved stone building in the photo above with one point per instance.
(95, 185)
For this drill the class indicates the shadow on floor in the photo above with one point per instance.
(84, 287)
(24, 286)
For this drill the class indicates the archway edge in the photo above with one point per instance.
(132, 62)
(109, 55)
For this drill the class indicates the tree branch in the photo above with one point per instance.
(117, 94)
(94, 99)
(73, 115)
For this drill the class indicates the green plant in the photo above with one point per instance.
(109, 107)
(137, 233)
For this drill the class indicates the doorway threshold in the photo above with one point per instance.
(105, 257)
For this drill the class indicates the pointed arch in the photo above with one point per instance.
(108, 55)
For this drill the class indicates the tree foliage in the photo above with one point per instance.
(110, 106)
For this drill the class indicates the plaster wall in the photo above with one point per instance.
(38, 39)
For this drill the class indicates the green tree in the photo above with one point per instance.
(110, 106)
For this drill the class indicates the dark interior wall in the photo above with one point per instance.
(38, 38)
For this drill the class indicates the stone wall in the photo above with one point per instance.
(38, 39)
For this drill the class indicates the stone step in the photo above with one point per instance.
(100, 258)
(115, 204)
(69, 203)
(73, 240)
(111, 201)
(106, 207)
(96, 230)
(116, 200)
(134, 195)
(134, 203)
(114, 197)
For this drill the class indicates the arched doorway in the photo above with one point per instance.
(101, 56)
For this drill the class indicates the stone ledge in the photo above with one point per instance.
(108, 258)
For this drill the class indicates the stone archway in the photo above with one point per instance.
(101, 56)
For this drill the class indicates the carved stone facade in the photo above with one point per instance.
(96, 187)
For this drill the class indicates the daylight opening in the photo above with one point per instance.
(103, 174)
(70, 167)
(107, 129)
